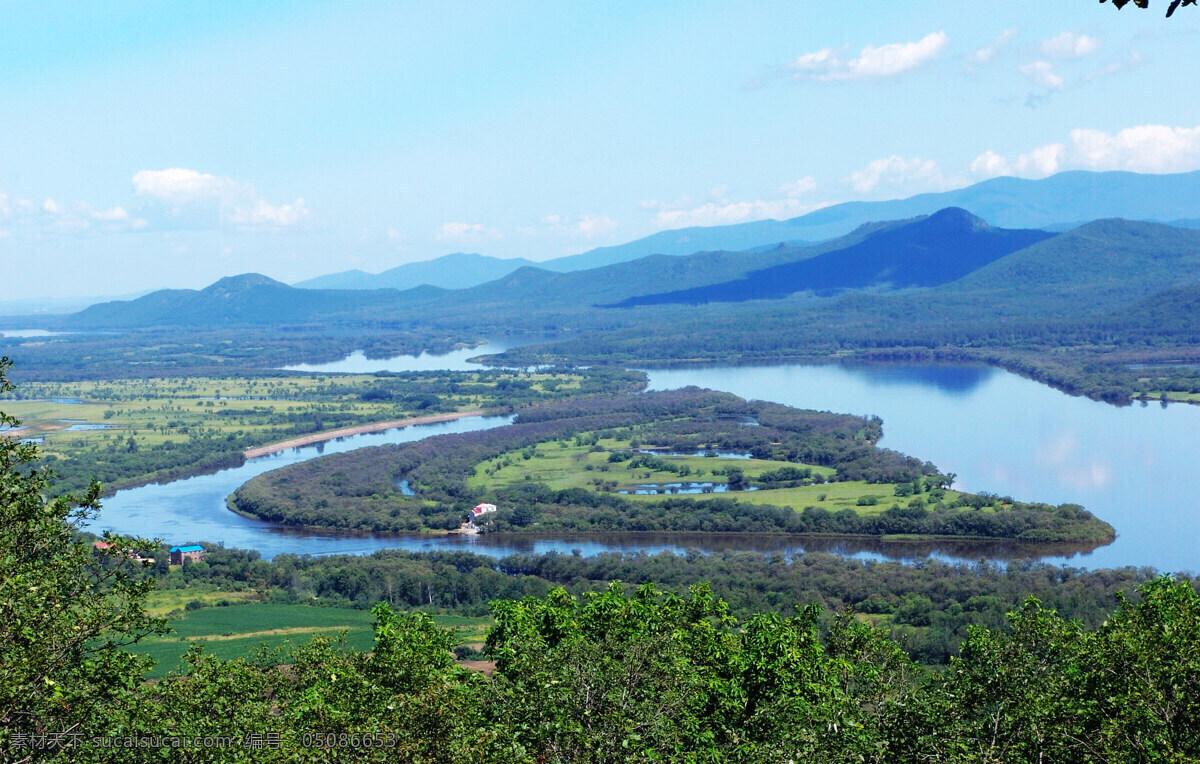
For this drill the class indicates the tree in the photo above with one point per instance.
(1144, 4)
(65, 610)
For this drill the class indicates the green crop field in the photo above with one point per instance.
(238, 630)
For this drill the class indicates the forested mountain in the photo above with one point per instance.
(253, 299)
(248, 299)
(456, 271)
(539, 287)
(935, 250)
(1101, 264)
(1173, 313)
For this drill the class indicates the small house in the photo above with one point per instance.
(482, 509)
(182, 554)
(105, 547)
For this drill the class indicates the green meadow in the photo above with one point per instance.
(238, 630)
(566, 464)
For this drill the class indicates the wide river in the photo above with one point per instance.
(1135, 467)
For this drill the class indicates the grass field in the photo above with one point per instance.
(138, 426)
(238, 630)
(564, 464)
(161, 602)
(158, 410)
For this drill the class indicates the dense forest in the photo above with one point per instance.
(926, 607)
(425, 485)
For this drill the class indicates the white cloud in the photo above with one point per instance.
(897, 58)
(595, 225)
(466, 232)
(799, 187)
(1144, 148)
(1042, 161)
(1132, 61)
(51, 207)
(818, 62)
(988, 53)
(1043, 75)
(180, 186)
(206, 199)
(115, 215)
(872, 63)
(1069, 46)
(735, 212)
(899, 172)
(581, 226)
(262, 213)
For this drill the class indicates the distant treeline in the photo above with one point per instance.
(212, 352)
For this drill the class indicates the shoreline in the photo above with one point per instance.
(320, 437)
(893, 542)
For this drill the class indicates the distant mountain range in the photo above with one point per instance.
(1058, 203)
(929, 251)
(950, 262)
(457, 271)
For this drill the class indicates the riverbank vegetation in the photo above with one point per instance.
(928, 608)
(129, 431)
(573, 457)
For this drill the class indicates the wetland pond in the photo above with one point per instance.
(1132, 466)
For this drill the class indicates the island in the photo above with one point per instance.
(690, 460)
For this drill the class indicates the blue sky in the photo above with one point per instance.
(166, 144)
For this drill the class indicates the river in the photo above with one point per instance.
(998, 432)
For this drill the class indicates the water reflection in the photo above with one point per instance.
(500, 545)
(954, 380)
(454, 360)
